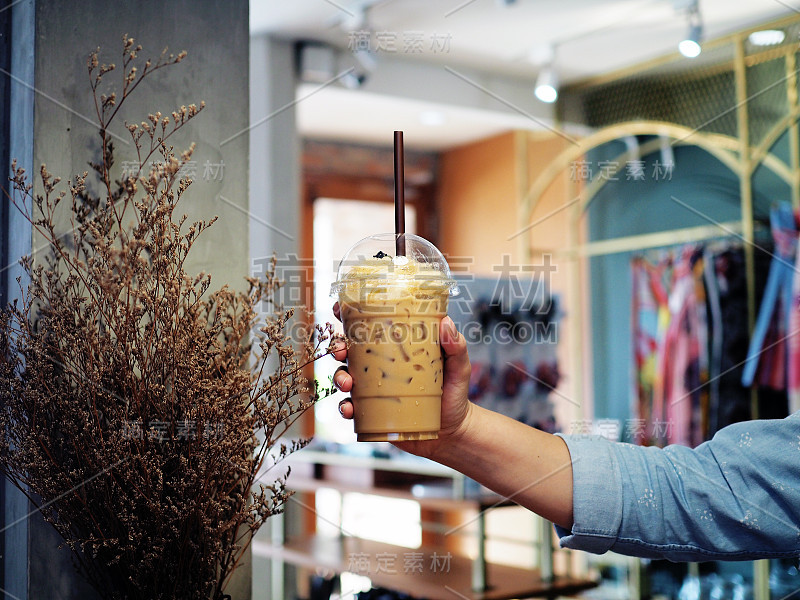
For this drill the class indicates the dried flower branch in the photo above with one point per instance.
(139, 408)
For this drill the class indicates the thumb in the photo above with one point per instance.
(455, 348)
(449, 336)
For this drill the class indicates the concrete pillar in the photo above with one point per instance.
(274, 150)
(51, 116)
(17, 140)
(274, 225)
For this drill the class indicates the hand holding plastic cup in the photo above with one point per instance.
(391, 307)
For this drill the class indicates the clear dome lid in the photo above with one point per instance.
(374, 259)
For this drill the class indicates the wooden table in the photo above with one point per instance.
(420, 572)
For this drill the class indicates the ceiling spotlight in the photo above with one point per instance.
(363, 64)
(354, 19)
(667, 153)
(366, 59)
(767, 37)
(352, 80)
(690, 46)
(547, 85)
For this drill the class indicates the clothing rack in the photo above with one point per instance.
(632, 243)
(719, 146)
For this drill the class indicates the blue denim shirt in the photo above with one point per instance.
(735, 497)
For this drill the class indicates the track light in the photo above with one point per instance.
(632, 147)
(352, 80)
(354, 20)
(547, 85)
(690, 45)
(363, 66)
(667, 154)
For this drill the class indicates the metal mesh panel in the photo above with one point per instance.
(697, 102)
(797, 75)
(703, 97)
(699, 94)
(766, 92)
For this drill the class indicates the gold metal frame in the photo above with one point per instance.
(737, 153)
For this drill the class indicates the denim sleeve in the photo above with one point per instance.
(735, 497)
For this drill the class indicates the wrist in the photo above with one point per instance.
(453, 441)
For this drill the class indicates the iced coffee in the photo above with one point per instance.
(391, 307)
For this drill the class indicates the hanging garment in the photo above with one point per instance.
(713, 292)
(793, 339)
(700, 407)
(685, 358)
(726, 298)
(650, 318)
(766, 356)
(665, 370)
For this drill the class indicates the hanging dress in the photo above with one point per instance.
(650, 316)
(685, 353)
(766, 360)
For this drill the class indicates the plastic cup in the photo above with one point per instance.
(391, 307)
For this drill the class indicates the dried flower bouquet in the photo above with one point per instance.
(138, 408)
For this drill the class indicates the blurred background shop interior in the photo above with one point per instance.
(581, 164)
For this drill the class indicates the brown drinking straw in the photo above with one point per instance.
(399, 197)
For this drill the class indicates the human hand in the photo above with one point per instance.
(456, 408)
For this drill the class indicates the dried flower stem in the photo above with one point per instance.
(139, 406)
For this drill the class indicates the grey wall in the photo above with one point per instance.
(215, 35)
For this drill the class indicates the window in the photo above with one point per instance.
(338, 224)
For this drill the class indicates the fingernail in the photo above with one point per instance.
(450, 329)
(341, 407)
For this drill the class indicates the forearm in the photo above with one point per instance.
(732, 498)
(529, 466)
